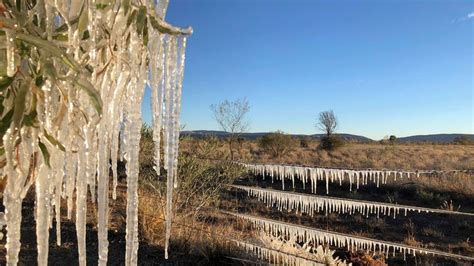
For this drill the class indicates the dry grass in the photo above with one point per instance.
(362, 155)
(410, 239)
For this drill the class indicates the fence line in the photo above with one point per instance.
(309, 203)
(420, 171)
(338, 239)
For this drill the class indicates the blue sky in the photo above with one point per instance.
(384, 67)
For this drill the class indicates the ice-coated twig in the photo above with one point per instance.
(89, 120)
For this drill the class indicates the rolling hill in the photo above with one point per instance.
(256, 135)
(441, 138)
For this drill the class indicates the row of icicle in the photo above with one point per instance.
(275, 257)
(315, 174)
(321, 237)
(310, 204)
(91, 140)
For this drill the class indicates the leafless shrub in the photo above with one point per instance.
(327, 122)
(231, 117)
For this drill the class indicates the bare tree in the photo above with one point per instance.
(327, 122)
(231, 118)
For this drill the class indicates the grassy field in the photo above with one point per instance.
(361, 155)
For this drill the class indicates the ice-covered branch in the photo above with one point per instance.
(67, 128)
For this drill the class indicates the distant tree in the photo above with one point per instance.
(327, 122)
(278, 144)
(231, 117)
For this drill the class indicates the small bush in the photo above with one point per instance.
(277, 144)
(304, 143)
(330, 143)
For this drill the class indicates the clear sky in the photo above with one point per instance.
(384, 67)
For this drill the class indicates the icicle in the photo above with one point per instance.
(169, 137)
(157, 86)
(311, 204)
(177, 108)
(134, 122)
(274, 256)
(362, 177)
(320, 236)
(42, 213)
(10, 49)
(58, 185)
(89, 139)
(81, 202)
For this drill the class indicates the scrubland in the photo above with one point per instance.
(202, 235)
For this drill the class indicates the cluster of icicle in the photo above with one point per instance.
(353, 243)
(306, 250)
(90, 140)
(311, 204)
(314, 174)
(274, 257)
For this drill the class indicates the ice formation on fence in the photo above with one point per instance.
(274, 256)
(320, 237)
(306, 250)
(315, 174)
(311, 204)
(86, 111)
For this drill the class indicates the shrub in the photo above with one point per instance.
(200, 185)
(304, 143)
(277, 144)
(331, 143)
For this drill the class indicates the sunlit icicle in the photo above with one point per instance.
(169, 133)
(134, 122)
(42, 213)
(81, 200)
(157, 88)
(10, 49)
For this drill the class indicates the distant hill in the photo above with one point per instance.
(256, 135)
(444, 138)
(441, 138)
